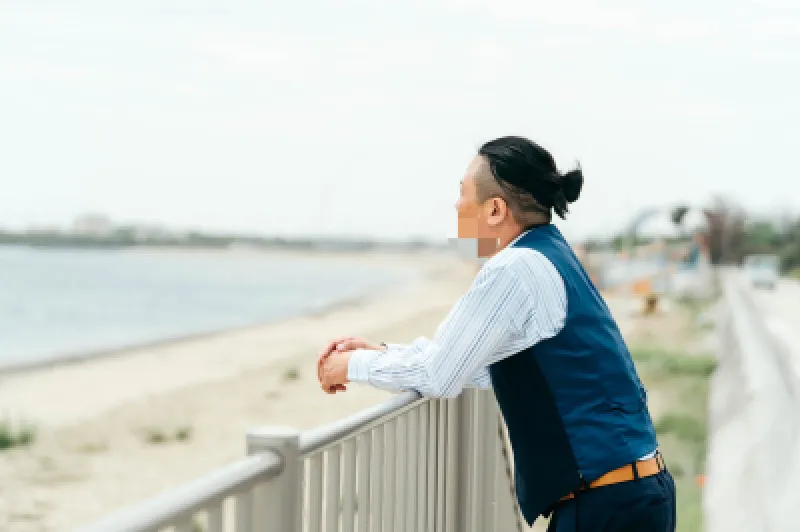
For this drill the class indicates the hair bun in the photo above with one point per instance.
(571, 184)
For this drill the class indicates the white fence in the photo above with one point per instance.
(754, 426)
(407, 464)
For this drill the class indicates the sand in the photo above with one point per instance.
(99, 418)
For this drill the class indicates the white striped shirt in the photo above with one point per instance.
(517, 299)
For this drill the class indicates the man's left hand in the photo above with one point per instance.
(333, 370)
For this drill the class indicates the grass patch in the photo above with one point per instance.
(690, 505)
(93, 448)
(661, 363)
(683, 429)
(12, 435)
(158, 436)
(183, 434)
(795, 273)
(155, 436)
(694, 304)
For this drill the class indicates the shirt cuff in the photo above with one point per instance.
(359, 363)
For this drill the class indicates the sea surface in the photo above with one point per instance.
(58, 304)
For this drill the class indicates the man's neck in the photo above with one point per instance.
(511, 238)
(488, 247)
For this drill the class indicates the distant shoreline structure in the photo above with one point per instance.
(123, 238)
(98, 231)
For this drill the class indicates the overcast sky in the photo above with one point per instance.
(359, 117)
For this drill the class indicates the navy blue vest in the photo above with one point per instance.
(574, 405)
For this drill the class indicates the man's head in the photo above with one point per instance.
(511, 185)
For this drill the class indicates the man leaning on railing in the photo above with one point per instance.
(534, 327)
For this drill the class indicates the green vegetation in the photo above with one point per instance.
(658, 364)
(683, 429)
(183, 434)
(695, 305)
(93, 448)
(158, 436)
(732, 235)
(12, 435)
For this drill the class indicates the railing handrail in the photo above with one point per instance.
(314, 440)
(183, 501)
(458, 441)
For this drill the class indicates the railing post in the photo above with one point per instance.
(489, 460)
(279, 503)
(460, 468)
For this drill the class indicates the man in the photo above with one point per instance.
(534, 326)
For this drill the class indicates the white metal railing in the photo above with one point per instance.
(406, 464)
(753, 422)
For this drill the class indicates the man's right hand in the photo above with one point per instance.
(343, 343)
(325, 353)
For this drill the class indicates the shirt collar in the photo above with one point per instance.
(525, 232)
(484, 260)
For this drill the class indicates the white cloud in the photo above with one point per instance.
(50, 72)
(574, 14)
(273, 54)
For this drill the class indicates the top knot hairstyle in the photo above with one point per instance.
(530, 181)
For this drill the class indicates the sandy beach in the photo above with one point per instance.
(101, 421)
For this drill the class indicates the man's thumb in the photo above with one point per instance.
(349, 345)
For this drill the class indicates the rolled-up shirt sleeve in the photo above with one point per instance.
(470, 338)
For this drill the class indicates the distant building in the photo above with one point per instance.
(149, 232)
(93, 225)
(43, 229)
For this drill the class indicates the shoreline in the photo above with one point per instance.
(79, 358)
(82, 357)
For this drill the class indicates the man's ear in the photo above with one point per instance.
(498, 211)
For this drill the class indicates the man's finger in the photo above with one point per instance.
(331, 347)
(353, 343)
(330, 390)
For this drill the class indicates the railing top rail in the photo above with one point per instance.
(322, 437)
(750, 321)
(180, 503)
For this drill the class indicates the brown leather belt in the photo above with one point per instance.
(645, 468)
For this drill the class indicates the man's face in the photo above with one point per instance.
(476, 220)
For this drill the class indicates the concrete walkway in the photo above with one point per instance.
(753, 472)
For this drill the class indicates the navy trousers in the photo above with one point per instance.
(642, 505)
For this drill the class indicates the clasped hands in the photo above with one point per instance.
(333, 361)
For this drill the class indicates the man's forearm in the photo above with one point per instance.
(365, 366)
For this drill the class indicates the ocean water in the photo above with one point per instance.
(63, 303)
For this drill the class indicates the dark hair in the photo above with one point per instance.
(526, 166)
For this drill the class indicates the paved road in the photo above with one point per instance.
(754, 469)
